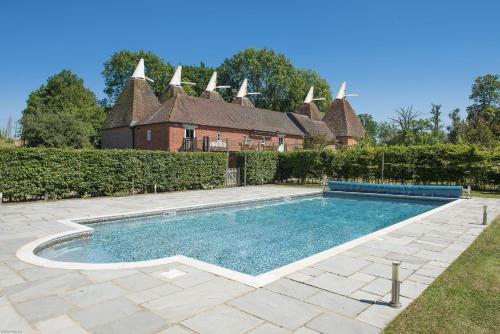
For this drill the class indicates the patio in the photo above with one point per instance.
(346, 293)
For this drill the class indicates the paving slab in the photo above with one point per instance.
(292, 289)
(268, 328)
(342, 265)
(137, 282)
(106, 312)
(335, 283)
(94, 294)
(337, 303)
(278, 309)
(331, 323)
(35, 310)
(143, 322)
(222, 320)
(185, 303)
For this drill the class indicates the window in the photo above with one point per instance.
(148, 135)
(281, 140)
(219, 136)
(245, 139)
(189, 133)
(263, 141)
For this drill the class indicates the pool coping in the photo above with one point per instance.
(80, 228)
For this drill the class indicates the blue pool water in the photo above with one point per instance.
(252, 239)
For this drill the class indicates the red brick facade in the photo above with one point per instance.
(170, 137)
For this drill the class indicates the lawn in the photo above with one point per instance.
(465, 298)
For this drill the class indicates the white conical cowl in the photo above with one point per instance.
(243, 89)
(310, 95)
(139, 70)
(212, 84)
(342, 91)
(176, 79)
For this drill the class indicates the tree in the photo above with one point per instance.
(198, 74)
(387, 133)
(371, 127)
(483, 116)
(303, 80)
(438, 135)
(7, 132)
(62, 113)
(282, 86)
(454, 130)
(120, 67)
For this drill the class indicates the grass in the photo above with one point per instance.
(489, 194)
(465, 298)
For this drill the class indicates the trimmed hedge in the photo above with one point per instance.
(261, 167)
(445, 163)
(59, 173)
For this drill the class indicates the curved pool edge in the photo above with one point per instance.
(27, 253)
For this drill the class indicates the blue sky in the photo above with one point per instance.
(393, 53)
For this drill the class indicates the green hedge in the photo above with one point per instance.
(32, 173)
(261, 167)
(448, 164)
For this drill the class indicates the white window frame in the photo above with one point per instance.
(281, 140)
(219, 136)
(186, 132)
(148, 135)
(245, 139)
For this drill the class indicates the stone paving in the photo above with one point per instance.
(347, 293)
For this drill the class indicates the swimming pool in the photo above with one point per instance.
(251, 239)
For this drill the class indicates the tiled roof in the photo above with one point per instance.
(211, 95)
(310, 110)
(136, 102)
(310, 127)
(342, 120)
(201, 111)
(171, 92)
(243, 101)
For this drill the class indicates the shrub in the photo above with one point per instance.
(444, 163)
(32, 173)
(261, 167)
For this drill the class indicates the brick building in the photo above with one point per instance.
(178, 122)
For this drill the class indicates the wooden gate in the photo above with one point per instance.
(232, 177)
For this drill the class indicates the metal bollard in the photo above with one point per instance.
(396, 285)
(485, 215)
(1, 198)
(155, 188)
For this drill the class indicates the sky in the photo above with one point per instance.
(392, 53)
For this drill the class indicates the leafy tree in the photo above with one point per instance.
(454, 130)
(281, 85)
(119, 68)
(483, 116)
(438, 135)
(303, 80)
(486, 97)
(62, 113)
(198, 74)
(371, 127)
(386, 133)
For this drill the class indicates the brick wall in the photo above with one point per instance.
(347, 140)
(234, 136)
(159, 137)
